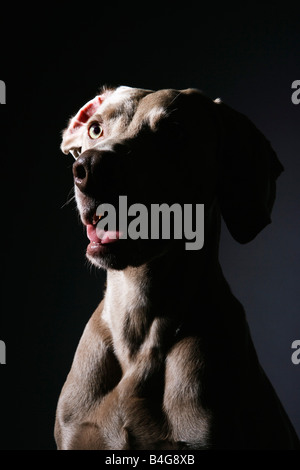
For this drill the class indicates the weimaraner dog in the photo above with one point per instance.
(166, 360)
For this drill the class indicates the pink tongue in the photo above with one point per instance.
(106, 236)
(91, 234)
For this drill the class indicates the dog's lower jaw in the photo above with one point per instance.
(127, 253)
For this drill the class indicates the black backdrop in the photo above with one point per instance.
(52, 62)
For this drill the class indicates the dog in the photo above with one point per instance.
(167, 360)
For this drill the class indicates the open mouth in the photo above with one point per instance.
(100, 238)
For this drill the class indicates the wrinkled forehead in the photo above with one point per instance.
(112, 98)
(119, 106)
(124, 94)
(108, 99)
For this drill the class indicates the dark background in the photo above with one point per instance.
(53, 61)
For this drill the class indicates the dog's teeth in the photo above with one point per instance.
(96, 218)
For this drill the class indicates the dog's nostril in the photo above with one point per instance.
(80, 172)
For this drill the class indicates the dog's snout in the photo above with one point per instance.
(98, 171)
(82, 171)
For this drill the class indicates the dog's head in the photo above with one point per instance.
(166, 147)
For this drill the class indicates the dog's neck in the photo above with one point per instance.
(154, 303)
(159, 284)
(164, 281)
(159, 295)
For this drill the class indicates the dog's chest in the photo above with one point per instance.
(167, 389)
(161, 385)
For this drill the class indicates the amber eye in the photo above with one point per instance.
(95, 131)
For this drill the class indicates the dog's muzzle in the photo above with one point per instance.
(99, 174)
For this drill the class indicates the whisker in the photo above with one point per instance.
(70, 199)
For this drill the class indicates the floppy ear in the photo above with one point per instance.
(248, 168)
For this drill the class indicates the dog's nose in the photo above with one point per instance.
(98, 171)
(82, 171)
